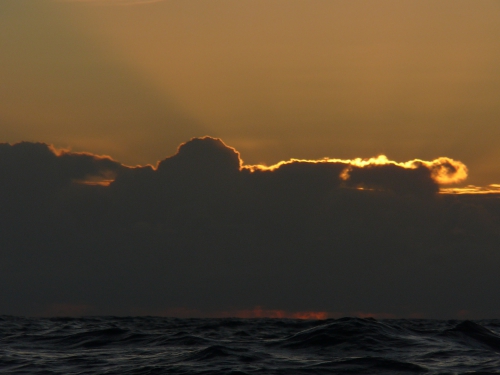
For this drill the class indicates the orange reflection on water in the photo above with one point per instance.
(256, 312)
(382, 315)
(259, 312)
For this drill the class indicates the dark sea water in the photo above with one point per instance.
(150, 345)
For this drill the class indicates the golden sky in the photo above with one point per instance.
(275, 79)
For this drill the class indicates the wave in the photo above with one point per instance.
(350, 333)
(371, 365)
(472, 334)
(151, 345)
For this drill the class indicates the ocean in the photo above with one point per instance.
(155, 345)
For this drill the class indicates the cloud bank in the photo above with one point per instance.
(203, 234)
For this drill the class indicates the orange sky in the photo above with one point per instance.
(274, 79)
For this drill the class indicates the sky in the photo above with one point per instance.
(224, 158)
(274, 79)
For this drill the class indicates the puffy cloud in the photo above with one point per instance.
(380, 173)
(34, 175)
(443, 170)
(203, 232)
(202, 156)
(27, 160)
(393, 177)
(446, 170)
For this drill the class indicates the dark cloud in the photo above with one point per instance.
(394, 178)
(203, 232)
(41, 162)
(34, 175)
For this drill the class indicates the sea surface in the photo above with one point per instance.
(153, 345)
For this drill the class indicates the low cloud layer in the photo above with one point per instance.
(203, 234)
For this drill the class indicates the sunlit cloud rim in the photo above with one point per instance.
(444, 170)
(472, 189)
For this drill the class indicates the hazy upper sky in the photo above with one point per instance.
(274, 78)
